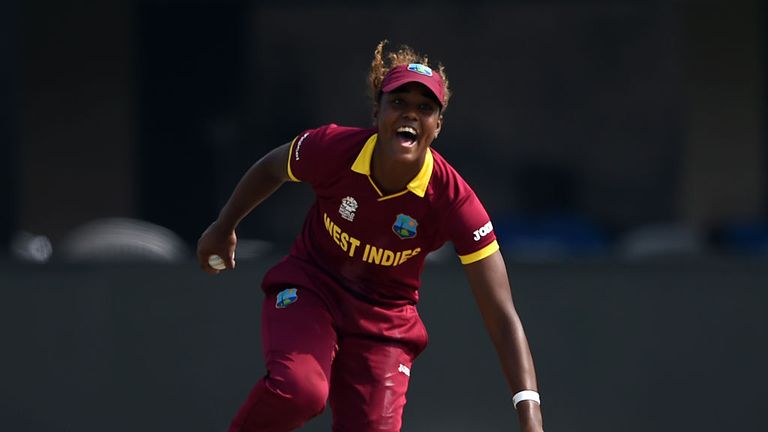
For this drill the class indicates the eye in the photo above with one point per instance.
(397, 101)
(427, 108)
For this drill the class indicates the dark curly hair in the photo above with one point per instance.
(382, 63)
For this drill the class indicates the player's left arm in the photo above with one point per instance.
(490, 287)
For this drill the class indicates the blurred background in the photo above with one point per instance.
(619, 147)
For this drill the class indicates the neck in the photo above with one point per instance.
(393, 176)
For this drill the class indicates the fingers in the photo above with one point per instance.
(205, 263)
(216, 250)
(216, 262)
(230, 260)
(210, 270)
(213, 263)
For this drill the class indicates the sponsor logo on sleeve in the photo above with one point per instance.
(298, 145)
(483, 231)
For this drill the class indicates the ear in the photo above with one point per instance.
(439, 125)
(375, 119)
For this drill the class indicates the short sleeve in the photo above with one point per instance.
(308, 159)
(471, 230)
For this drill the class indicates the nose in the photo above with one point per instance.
(409, 112)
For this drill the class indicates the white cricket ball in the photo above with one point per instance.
(216, 262)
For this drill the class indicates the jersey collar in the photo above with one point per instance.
(417, 185)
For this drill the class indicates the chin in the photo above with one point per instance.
(409, 156)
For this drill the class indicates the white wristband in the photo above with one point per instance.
(526, 395)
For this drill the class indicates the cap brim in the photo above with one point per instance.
(424, 80)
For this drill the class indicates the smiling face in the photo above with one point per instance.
(408, 119)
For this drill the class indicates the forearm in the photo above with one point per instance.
(258, 183)
(516, 361)
(508, 337)
(490, 286)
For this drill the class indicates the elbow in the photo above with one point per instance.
(504, 323)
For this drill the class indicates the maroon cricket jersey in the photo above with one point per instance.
(372, 244)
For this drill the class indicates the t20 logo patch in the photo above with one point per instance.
(348, 208)
(405, 226)
(286, 297)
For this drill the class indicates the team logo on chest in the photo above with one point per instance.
(348, 208)
(405, 226)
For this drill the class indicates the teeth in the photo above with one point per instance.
(407, 129)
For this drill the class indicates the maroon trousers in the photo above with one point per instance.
(327, 345)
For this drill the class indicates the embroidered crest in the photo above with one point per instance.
(405, 226)
(420, 69)
(348, 208)
(286, 297)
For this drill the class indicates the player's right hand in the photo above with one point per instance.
(216, 240)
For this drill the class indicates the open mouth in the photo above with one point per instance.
(407, 136)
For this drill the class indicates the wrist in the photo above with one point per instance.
(525, 395)
(528, 406)
(224, 224)
(529, 416)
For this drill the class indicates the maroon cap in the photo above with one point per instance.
(414, 72)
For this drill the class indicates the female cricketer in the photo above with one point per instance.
(339, 319)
